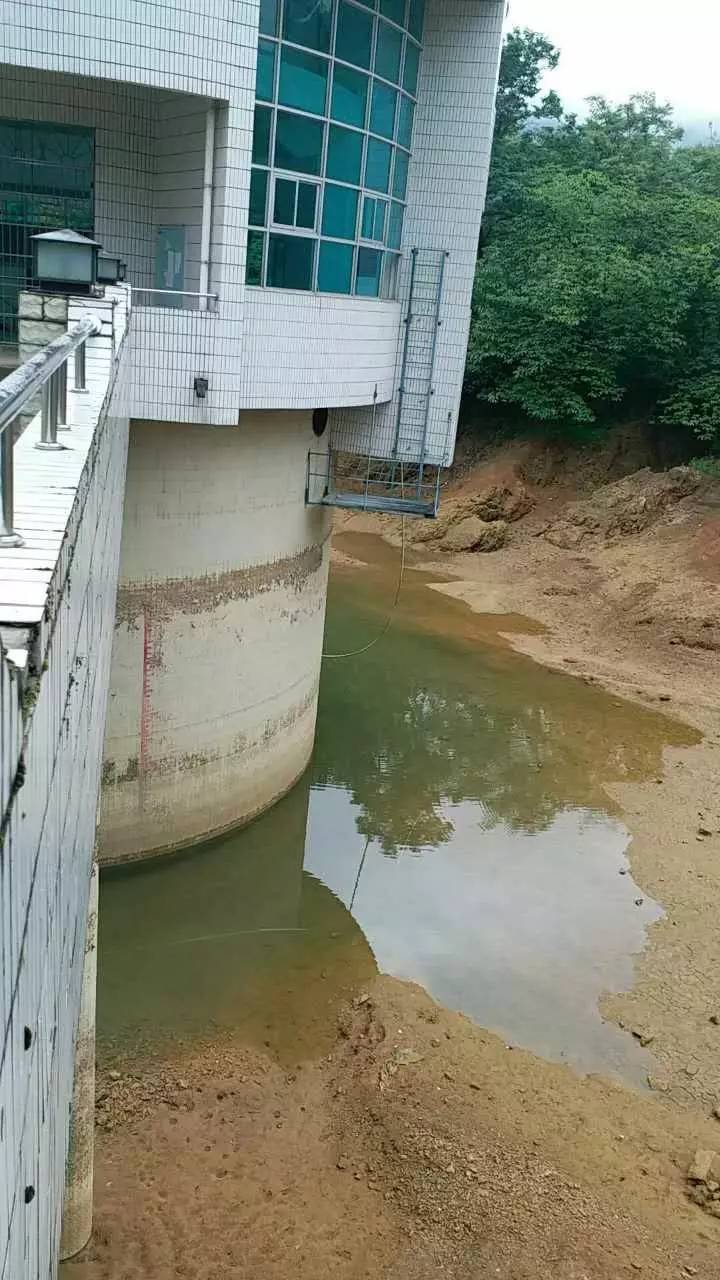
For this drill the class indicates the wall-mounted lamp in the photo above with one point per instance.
(200, 387)
(109, 269)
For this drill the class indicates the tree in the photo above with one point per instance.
(597, 283)
(526, 56)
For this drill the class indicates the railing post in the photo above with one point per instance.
(49, 419)
(80, 368)
(8, 536)
(61, 376)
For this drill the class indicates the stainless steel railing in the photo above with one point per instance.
(46, 372)
(172, 299)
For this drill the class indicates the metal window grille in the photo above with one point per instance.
(46, 182)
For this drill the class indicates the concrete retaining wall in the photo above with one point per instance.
(53, 699)
(219, 631)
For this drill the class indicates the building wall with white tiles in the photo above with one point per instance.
(158, 67)
(57, 604)
(205, 48)
(446, 193)
(309, 350)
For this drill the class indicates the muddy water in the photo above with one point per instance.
(453, 830)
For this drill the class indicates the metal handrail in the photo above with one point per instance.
(179, 293)
(46, 371)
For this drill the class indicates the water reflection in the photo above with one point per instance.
(459, 835)
(437, 715)
(233, 937)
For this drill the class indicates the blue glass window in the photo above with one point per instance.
(335, 267)
(344, 154)
(377, 165)
(303, 81)
(341, 77)
(284, 203)
(395, 222)
(295, 203)
(349, 96)
(290, 262)
(406, 111)
(416, 16)
(412, 62)
(388, 52)
(258, 197)
(306, 206)
(265, 82)
(339, 212)
(393, 9)
(353, 42)
(298, 143)
(254, 259)
(367, 277)
(373, 219)
(268, 17)
(382, 110)
(309, 23)
(261, 136)
(400, 174)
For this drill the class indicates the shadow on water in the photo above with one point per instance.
(458, 834)
(233, 937)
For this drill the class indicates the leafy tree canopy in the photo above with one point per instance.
(598, 283)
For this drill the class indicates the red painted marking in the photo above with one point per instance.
(145, 708)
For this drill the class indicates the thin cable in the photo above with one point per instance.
(354, 653)
(357, 878)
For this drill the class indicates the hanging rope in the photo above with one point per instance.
(355, 653)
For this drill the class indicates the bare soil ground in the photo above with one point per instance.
(422, 1145)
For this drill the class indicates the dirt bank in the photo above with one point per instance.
(420, 1146)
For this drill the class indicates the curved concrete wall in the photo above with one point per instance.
(219, 629)
(308, 349)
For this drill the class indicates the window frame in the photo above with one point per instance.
(272, 224)
(380, 201)
(319, 181)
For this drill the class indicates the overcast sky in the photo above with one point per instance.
(619, 47)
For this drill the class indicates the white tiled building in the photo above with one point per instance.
(296, 189)
(390, 152)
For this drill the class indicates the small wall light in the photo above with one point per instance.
(200, 387)
(109, 269)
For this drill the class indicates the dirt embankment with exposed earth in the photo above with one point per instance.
(421, 1145)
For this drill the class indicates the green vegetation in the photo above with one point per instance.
(597, 292)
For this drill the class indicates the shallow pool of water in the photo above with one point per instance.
(453, 830)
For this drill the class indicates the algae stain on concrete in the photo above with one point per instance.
(454, 829)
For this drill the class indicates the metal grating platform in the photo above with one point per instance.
(372, 484)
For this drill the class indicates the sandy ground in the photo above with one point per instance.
(421, 1145)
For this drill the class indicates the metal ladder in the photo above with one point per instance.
(422, 323)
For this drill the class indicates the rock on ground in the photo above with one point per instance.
(623, 507)
(474, 534)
